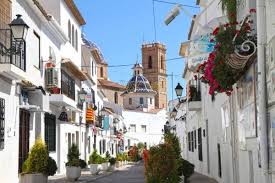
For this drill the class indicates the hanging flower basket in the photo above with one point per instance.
(235, 49)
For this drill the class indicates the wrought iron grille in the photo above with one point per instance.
(8, 45)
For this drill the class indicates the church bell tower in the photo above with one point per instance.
(154, 69)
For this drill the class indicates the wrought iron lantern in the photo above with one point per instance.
(179, 90)
(82, 94)
(19, 30)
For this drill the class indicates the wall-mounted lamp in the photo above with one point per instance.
(19, 30)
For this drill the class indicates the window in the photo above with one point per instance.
(89, 144)
(132, 128)
(151, 101)
(94, 142)
(100, 147)
(141, 101)
(92, 68)
(116, 97)
(2, 123)
(161, 62)
(69, 31)
(195, 139)
(67, 85)
(130, 101)
(36, 50)
(73, 35)
(219, 160)
(104, 146)
(200, 144)
(69, 141)
(189, 141)
(101, 72)
(150, 63)
(143, 128)
(192, 141)
(50, 131)
(76, 40)
(77, 138)
(162, 84)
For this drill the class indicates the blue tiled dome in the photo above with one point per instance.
(138, 84)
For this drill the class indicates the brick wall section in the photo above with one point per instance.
(5, 13)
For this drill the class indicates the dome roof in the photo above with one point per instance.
(139, 84)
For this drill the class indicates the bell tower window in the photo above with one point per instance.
(150, 62)
(161, 62)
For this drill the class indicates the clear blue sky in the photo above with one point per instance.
(118, 27)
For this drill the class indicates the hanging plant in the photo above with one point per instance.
(230, 6)
(228, 62)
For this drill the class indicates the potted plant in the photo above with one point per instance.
(118, 160)
(35, 168)
(73, 169)
(112, 163)
(105, 164)
(95, 161)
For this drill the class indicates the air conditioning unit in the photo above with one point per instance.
(51, 78)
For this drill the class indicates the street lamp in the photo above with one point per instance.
(19, 28)
(19, 31)
(179, 90)
(82, 94)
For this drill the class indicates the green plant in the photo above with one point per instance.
(52, 167)
(119, 157)
(162, 165)
(73, 156)
(185, 168)
(173, 140)
(83, 163)
(95, 158)
(230, 6)
(112, 161)
(107, 156)
(140, 146)
(37, 161)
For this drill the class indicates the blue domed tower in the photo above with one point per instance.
(139, 94)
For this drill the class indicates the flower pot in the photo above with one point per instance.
(117, 164)
(73, 173)
(95, 168)
(33, 178)
(112, 167)
(55, 90)
(105, 166)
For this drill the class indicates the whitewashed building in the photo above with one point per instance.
(144, 122)
(222, 132)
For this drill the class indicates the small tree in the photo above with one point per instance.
(173, 140)
(73, 156)
(37, 161)
(95, 158)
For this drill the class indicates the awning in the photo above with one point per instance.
(29, 86)
(69, 65)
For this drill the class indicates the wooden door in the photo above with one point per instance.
(24, 137)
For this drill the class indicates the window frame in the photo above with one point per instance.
(116, 97)
(2, 123)
(50, 131)
(142, 127)
(130, 101)
(70, 31)
(141, 101)
(150, 62)
(39, 48)
(67, 85)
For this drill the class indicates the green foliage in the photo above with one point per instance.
(37, 161)
(83, 163)
(162, 165)
(73, 156)
(119, 157)
(52, 167)
(140, 146)
(134, 154)
(95, 158)
(107, 156)
(112, 161)
(185, 168)
(173, 140)
(230, 6)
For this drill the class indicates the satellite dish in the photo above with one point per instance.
(52, 54)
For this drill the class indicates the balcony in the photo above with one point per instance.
(12, 66)
(194, 101)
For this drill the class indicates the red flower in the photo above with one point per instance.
(211, 40)
(237, 32)
(252, 10)
(215, 32)
(226, 25)
(196, 77)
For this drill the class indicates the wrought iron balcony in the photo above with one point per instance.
(17, 47)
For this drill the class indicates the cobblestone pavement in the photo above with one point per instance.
(131, 174)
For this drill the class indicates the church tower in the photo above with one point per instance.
(154, 69)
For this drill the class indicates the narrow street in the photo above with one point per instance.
(133, 174)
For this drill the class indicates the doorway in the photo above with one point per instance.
(24, 137)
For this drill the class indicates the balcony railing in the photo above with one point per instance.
(19, 47)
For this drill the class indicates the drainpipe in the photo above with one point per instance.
(261, 43)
